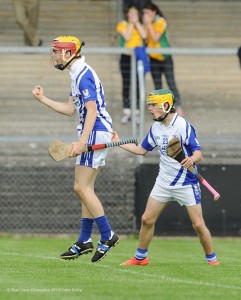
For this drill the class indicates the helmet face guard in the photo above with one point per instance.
(65, 44)
(161, 98)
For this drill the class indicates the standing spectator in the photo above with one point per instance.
(95, 127)
(156, 27)
(138, 3)
(27, 13)
(131, 35)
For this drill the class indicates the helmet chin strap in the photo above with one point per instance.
(62, 67)
(161, 119)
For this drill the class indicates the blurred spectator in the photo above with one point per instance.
(239, 55)
(156, 27)
(131, 35)
(27, 13)
(137, 3)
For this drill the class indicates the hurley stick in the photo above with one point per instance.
(59, 150)
(175, 151)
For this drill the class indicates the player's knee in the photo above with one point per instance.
(147, 220)
(78, 190)
(198, 226)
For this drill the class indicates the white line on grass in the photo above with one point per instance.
(122, 270)
(28, 255)
(167, 278)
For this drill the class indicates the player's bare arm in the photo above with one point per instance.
(135, 149)
(65, 108)
(78, 147)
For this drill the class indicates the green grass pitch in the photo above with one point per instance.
(31, 269)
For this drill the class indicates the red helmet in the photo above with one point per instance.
(67, 43)
(64, 44)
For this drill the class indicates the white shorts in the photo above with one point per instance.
(95, 159)
(187, 195)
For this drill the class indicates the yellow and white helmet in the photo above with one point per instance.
(67, 43)
(160, 97)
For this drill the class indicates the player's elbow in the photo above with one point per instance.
(144, 152)
(71, 113)
(69, 109)
(198, 156)
(140, 150)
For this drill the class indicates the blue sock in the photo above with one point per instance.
(141, 254)
(86, 229)
(211, 257)
(104, 228)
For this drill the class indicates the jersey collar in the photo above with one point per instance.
(174, 119)
(78, 65)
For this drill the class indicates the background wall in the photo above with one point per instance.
(222, 217)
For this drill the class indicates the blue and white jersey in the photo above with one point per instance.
(171, 173)
(86, 86)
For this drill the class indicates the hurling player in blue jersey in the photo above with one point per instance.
(174, 182)
(95, 127)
